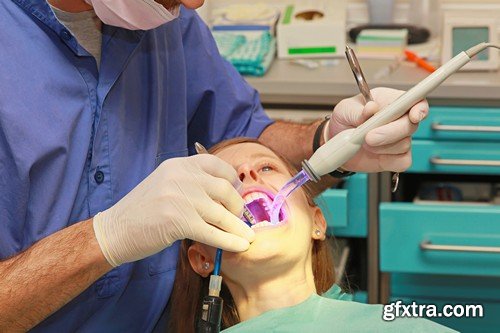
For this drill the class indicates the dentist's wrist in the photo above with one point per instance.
(321, 134)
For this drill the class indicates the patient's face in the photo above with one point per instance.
(263, 174)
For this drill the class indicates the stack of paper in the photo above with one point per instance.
(380, 43)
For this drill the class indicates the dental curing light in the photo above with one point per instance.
(343, 146)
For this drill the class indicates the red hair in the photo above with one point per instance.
(190, 288)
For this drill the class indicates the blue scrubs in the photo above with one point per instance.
(74, 141)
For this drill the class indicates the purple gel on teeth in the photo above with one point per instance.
(300, 179)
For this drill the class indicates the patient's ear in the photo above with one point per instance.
(319, 224)
(200, 259)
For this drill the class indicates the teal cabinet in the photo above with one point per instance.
(443, 253)
(460, 124)
(486, 324)
(455, 157)
(440, 239)
(346, 209)
(449, 289)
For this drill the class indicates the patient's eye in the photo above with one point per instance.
(267, 167)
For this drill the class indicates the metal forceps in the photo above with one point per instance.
(365, 91)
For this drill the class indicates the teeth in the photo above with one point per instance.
(263, 200)
(254, 196)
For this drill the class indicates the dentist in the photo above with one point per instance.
(100, 103)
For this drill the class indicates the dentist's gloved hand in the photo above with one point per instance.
(386, 148)
(190, 197)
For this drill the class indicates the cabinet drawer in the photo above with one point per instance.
(486, 324)
(465, 288)
(460, 123)
(449, 289)
(455, 157)
(346, 210)
(440, 239)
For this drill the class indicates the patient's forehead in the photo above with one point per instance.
(245, 152)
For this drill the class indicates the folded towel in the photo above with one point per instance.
(258, 69)
(251, 54)
(227, 43)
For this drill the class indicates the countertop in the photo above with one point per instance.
(287, 83)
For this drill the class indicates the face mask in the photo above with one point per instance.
(133, 14)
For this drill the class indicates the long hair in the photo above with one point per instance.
(190, 288)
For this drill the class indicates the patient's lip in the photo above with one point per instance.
(264, 190)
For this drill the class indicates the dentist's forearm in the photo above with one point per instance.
(46, 276)
(292, 140)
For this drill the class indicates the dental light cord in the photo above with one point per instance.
(480, 47)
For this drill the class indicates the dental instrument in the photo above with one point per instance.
(343, 146)
(211, 310)
(365, 91)
(358, 74)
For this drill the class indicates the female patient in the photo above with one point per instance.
(275, 285)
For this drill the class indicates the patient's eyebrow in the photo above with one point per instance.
(266, 155)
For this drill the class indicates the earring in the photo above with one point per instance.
(206, 265)
(318, 232)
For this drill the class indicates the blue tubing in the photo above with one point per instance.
(218, 259)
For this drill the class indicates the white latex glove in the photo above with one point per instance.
(188, 197)
(386, 148)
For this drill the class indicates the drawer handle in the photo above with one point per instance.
(465, 128)
(442, 161)
(428, 246)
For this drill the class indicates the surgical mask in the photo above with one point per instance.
(133, 14)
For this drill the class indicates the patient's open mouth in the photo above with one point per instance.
(259, 202)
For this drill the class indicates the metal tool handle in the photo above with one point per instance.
(358, 74)
(484, 163)
(465, 128)
(428, 246)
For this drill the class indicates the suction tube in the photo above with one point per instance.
(343, 146)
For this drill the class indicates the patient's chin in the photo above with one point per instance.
(264, 250)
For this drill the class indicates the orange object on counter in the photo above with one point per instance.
(412, 56)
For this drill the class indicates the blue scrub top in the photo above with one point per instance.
(74, 141)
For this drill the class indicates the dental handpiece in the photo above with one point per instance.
(343, 146)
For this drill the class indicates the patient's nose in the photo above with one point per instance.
(247, 173)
